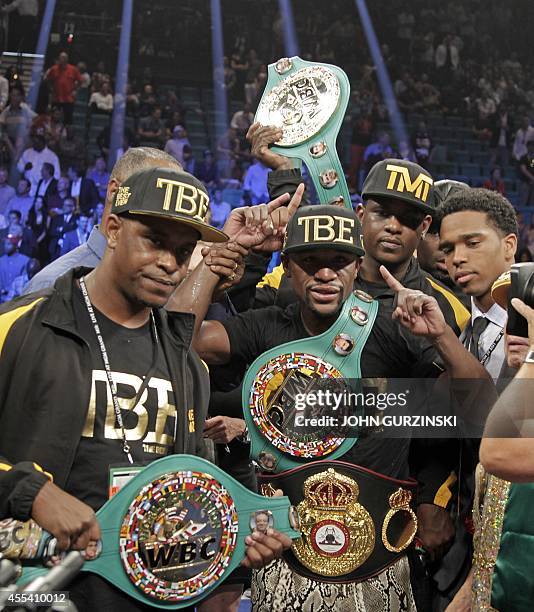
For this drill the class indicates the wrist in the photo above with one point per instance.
(530, 355)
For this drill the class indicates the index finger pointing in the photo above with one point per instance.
(277, 202)
(391, 281)
(295, 200)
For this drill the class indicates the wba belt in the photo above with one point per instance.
(308, 100)
(177, 529)
(278, 377)
(354, 522)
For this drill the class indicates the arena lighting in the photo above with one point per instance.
(40, 52)
(121, 81)
(217, 55)
(384, 81)
(290, 36)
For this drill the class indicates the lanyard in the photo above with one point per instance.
(107, 367)
(488, 353)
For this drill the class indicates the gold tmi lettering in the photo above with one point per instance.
(328, 228)
(399, 180)
(189, 200)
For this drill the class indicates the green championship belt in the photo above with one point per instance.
(308, 101)
(272, 382)
(177, 530)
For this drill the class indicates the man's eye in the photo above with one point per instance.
(473, 243)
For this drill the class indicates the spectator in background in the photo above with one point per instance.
(526, 176)
(377, 151)
(47, 186)
(207, 170)
(17, 118)
(495, 182)
(12, 264)
(59, 226)
(255, 183)
(189, 163)
(65, 79)
(175, 145)
(99, 76)
(422, 145)
(54, 202)
(85, 81)
(22, 200)
(152, 129)
(523, 256)
(446, 59)
(32, 160)
(132, 102)
(25, 237)
(361, 138)
(500, 138)
(171, 104)
(38, 222)
(148, 101)
(96, 219)
(51, 126)
(228, 153)
(4, 92)
(219, 209)
(71, 147)
(522, 136)
(76, 237)
(82, 189)
(6, 191)
(100, 177)
(17, 286)
(229, 75)
(243, 119)
(175, 120)
(101, 101)
(22, 24)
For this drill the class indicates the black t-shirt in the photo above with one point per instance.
(528, 162)
(388, 353)
(150, 428)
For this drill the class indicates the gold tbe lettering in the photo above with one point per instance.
(328, 228)
(189, 200)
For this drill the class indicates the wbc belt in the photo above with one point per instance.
(308, 101)
(354, 522)
(177, 530)
(277, 378)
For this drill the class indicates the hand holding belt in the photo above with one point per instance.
(308, 101)
(272, 382)
(177, 530)
(354, 522)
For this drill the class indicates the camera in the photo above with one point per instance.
(522, 287)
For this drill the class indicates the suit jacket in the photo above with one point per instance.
(50, 190)
(58, 228)
(88, 198)
(70, 242)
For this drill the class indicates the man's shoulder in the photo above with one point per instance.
(81, 256)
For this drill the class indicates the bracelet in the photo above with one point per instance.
(244, 438)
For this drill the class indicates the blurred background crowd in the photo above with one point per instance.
(462, 76)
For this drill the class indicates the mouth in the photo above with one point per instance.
(390, 244)
(463, 277)
(326, 294)
(162, 282)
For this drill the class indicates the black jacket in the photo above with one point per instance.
(45, 382)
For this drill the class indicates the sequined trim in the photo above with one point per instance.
(487, 542)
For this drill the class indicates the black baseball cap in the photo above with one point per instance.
(402, 180)
(324, 226)
(167, 193)
(446, 188)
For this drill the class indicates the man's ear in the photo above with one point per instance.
(360, 211)
(111, 229)
(425, 225)
(510, 247)
(111, 190)
(285, 263)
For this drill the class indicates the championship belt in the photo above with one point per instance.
(354, 522)
(308, 101)
(177, 530)
(273, 382)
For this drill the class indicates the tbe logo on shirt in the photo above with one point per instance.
(153, 410)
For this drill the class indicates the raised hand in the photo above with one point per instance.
(262, 227)
(416, 311)
(261, 137)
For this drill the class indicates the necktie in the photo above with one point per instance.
(478, 327)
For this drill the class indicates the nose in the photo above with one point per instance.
(167, 262)
(325, 274)
(458, 255)
(393, 225)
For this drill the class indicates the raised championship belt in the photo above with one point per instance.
(276, 378)
(177, 530)
(354, 522)
(308, 101)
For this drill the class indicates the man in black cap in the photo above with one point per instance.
(321, 258)
(93, 372)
